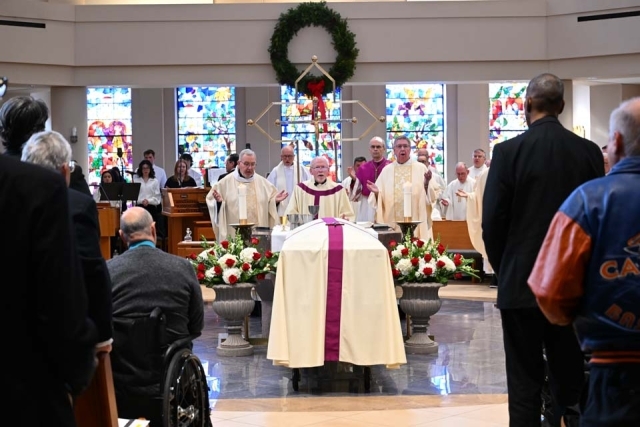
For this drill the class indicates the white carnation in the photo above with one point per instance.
(204, 255)
(397, 252)
(223, 261)
(405, 266)
(448, 263)
(423, 264)
(231, 272)
(246, 255)
(210, 273)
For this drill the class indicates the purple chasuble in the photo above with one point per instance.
(334, 291)
(370, 171)
(319, 193)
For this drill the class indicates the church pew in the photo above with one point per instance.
(454, 235)
(96, 407)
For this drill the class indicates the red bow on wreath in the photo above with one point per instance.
(316, 89)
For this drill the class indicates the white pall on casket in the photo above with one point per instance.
(334, 299)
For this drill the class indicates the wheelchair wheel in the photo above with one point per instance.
(185, 395)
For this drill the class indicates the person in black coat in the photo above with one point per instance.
(44, 305)
(78, 182)
(530, 176)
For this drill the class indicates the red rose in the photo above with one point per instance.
(260, 276)
(413, 239)
(440, 264)
(420, 243)
(255, 241)
(427, 271)
(217, 269)
(415, 261)
(268, 254)
(392, 263)
(457, 259)
(427, 257)
(256, 256)
(193, 256)
(229, 262)
(392, 244)
(233, 279)
(225, 244)
(395, 272)
(246, 266)
(212, 252)
(404, 252)
(457, 276)
(201, 267)
(200, 276)
(440, 248)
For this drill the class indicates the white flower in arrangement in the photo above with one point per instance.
(231, 275)
(210, 273)
(424, 265)
(246, 255)
(397, 251)
(448, 263)
(202, 256)
(223, 261)
(267, 267)
(405, 266)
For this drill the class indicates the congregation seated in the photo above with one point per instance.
(152, 291)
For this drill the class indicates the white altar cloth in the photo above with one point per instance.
(345, 311)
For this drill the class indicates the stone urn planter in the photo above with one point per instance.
(420, 301)
(233, 303)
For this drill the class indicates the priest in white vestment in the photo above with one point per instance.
(353, 185)
(321, 191)
(387, 192)
(456, 205)
(439, 184)
(474, 217)
(262, 197)
(479, 166)
(285, 176)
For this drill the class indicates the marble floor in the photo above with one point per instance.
(463, 385)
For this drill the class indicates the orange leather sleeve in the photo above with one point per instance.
(557, 278)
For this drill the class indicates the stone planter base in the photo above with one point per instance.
(420, 301)
(233, 304)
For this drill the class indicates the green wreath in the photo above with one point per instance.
(343, 41)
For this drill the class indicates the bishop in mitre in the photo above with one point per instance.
(331, 198)
(262, 198)
(285, 176)
(387, 192)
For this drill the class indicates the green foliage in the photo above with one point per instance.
(343, 41)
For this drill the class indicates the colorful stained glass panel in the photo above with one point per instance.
(417, 112)
(109, 121)
(303, 131)
(206, 124)
(506, 111)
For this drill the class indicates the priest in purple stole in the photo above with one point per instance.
(370, 171)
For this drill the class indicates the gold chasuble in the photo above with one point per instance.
(389, 203)
(261, 204)
(331, 197)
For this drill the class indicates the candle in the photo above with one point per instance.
(406, 191)
(242, 201)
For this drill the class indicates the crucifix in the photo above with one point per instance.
(316, 118)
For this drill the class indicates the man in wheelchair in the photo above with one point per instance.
(157, 312)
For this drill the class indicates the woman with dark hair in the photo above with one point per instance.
(116, 174)
(149, 197)
(21, 117)
(180, 176)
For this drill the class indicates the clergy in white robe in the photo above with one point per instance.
(285, 176)
(474, 217)
(387, 192)
(353, 186)
(456, 205)
(262, 197)
(479, 166)
(320, 191)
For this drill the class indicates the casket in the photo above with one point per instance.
(334, 299)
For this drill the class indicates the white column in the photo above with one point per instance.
(472, 124)
(69, 110)
(254, 101)
(153, 123)
(603, 100)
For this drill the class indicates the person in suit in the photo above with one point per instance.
(530, 176)
(78, 182)
(230, 165)
(44, 307)
(145, 278)
(52, 151)
(21, 117)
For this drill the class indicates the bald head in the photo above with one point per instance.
(377, 148)
(136, 225)
(624, 130)
(545, 95)
(462, 171)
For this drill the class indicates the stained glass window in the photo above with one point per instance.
(506, 111)
(304, 133)
(417, 111)
(207, 124)
(109, 119)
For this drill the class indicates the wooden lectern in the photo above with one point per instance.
(184, 208)
(109, 220)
